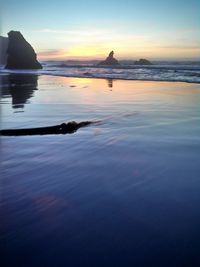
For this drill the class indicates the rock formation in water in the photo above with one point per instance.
(3, 50)
(143, 61)
(110, 60)
(20, 54)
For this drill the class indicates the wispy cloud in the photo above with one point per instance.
(51, 53)
(181, 47)
(80, 32)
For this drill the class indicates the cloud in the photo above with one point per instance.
(51, 53)
(181, 47)
(80, 32)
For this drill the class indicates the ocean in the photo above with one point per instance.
(185, 71)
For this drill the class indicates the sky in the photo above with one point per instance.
(86, 29)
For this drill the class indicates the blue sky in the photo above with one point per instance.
(90, 29)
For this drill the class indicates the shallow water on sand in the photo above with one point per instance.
(124, 192)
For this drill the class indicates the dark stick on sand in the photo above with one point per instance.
(64, 128)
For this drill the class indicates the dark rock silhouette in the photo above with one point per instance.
(110, 60)
(3, 50)
(64, 128)
(20, 53)
(143, 61)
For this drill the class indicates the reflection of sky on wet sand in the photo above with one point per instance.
(59, 99)
(90, 91)
(98, 89)
(124, 187)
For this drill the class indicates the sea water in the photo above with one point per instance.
(185, 71)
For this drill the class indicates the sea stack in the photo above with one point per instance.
(143, 61)
(110, 60)
(20, 54)
(3, 50)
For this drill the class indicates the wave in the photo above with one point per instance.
(181, 72)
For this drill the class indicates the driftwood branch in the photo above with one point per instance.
(64, 128)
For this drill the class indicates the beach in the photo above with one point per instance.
(122, 192)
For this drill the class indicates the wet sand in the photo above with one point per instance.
(124, 192)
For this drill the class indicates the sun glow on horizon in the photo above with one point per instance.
(100, 52)
(126, 46)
